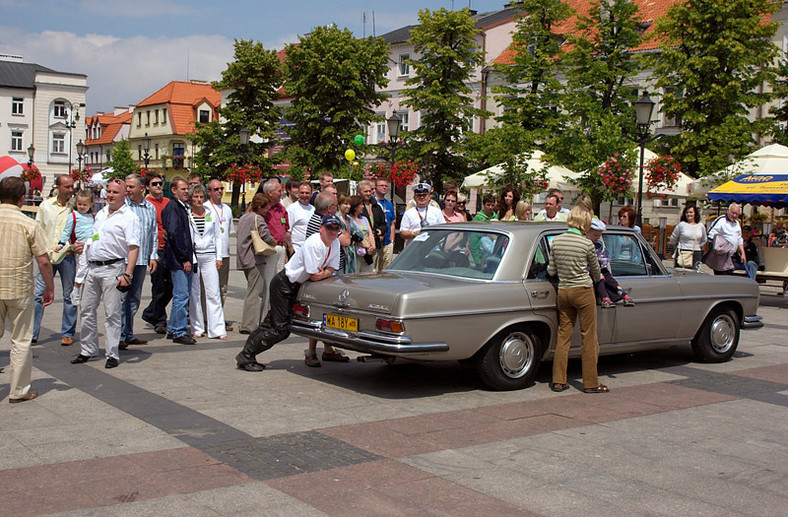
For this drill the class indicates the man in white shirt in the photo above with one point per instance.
(299, 214)
(225, 216)
(559, 196)
(116, 236)
(727, 227)
(421, 215)
(551, 211)
(316, 260)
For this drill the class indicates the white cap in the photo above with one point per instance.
(598, 224)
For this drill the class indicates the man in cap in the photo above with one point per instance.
(316, 260)
(421, 214)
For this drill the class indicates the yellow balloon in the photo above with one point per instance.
(350, 155)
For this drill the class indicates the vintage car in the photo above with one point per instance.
(480, 292)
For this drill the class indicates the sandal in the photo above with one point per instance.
(628, 302)
(599, 389)
(312, 361)
(607, 303)
(558, 386)
(335, 356)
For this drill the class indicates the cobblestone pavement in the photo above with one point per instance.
(177, 430)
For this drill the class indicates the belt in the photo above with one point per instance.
(104, 262)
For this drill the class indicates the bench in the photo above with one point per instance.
(775, 265)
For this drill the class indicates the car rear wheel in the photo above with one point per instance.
(718, 338)
(510, 360)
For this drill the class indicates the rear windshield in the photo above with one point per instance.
(466, 254)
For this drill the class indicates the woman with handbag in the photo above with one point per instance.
(252, 263)
(688, 237)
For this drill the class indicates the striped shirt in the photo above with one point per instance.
(146, 213)
(22, 238)
(572, 255)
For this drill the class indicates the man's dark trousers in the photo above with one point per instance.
(161, 294)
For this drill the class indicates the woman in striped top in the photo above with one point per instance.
(572, 256)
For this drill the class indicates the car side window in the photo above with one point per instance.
(541, 259)
(626, 257)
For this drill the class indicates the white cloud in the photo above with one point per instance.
(122, 71)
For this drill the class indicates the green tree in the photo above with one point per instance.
(531, 92)
(714, 56)
(334, 80)
(599, 91)
(446, 44)
(254, 76)
(121, 160)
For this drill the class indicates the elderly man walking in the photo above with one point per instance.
(726, 227)
(23, 239)
(52, 214)
(112, 256)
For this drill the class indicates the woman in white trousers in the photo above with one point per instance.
(207, 238)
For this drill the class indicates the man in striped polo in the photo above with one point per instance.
(147, 257)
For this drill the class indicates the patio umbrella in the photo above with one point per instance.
(762, 179)
(557, 176)
(9, 166)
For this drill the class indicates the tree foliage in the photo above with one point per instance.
(121, 160)
(334, 80)
(713, 58)
(254, 76)
(446, 44)
(780, 87)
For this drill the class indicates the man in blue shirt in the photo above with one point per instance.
(386, 252)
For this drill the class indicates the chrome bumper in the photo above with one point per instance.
(365, 341)
(752, 322)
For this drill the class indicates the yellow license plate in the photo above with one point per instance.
(340, 322)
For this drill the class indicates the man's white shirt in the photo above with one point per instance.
(225, 219)
(299, 216)
(413, 217)
(113, 234)
(311, 258)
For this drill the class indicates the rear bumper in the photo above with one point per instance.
(365, 341)
(752, 322)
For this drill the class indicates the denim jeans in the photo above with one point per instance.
(751, 267)
(131, 303)
(181, 287)
(67, 269)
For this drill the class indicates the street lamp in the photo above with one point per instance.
(71, 123)
(31, 152)
(244, 135)
(393, 124)
(80, 154)
(643, 108)
(146, 148)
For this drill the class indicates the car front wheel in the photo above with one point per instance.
(510, 360)
(718, 338)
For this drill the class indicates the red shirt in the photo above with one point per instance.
(278, 223)
(159, 204)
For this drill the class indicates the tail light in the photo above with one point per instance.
(301, 311)
(395, 327)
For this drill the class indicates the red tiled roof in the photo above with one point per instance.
(110, 124)
(649, 10)
(182, 118)
(182, 92)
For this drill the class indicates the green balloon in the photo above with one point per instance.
(359, 139)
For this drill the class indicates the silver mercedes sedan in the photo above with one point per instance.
(479, 292)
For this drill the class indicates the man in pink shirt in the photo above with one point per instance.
(279, 226)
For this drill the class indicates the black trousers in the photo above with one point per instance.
(161, 294)
(276, 325)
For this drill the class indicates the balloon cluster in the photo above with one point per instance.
(350, 154)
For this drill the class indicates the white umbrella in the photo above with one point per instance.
(9, 166)
(98, 178)
(556, 175)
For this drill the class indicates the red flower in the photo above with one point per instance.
(662, 173)
(615, 176)
(32, 173)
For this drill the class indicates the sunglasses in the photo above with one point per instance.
(156, 183)
(217, 189)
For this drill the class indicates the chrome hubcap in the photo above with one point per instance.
(723, 331)
(516, 355)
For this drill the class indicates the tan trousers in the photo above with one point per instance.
(20, 313)
(574, 302)
(256, 294)
(384, 257)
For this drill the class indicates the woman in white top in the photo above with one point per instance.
(207, 238)
(689, 234)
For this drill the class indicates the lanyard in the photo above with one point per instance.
(218, 213)
(426, 210)
(327, 257)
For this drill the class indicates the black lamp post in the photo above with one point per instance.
(31, 152)
(80, 154)
(71, 123)
(393, 124)
(643, 108)
(244, 135)
(146, 148)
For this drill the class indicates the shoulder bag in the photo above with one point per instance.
(686, 258)
(260, 246)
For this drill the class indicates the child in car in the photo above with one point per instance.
(608, 291)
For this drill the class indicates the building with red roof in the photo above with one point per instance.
(102, 130)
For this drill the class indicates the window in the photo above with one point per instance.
(58, 142)
(16, 140)
(157, 151)
(164, 116)
(139, 119)
(60, 109)
(156, 118)
(178, 151)
(17, 106)
(205, 116)
(405, 124)
(147, 118)
(380, 132)
(403, 66)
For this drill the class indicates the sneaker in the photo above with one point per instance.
(312, 361)
(607, 303)
(628, 302)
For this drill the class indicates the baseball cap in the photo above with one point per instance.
(423, 187)
(598, 224)
(330, 220)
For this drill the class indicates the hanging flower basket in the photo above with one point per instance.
(31, 173)
(243, 174)
(662, 173)
(403, 173)
(615, 175)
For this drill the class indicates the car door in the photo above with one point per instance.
(542, 292)
(657, 311)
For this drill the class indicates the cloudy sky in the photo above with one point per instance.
(130, 48)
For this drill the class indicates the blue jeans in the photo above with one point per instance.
(131, 303)
(750, 267)
(181, 287)
(68, 270)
